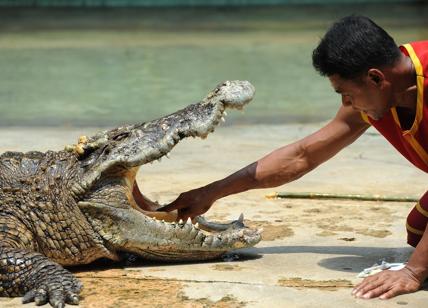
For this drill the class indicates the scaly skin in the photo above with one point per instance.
(72, 207)
(41, 227)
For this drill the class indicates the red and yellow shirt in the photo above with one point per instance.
(411, 143)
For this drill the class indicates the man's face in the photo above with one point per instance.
(364, 94)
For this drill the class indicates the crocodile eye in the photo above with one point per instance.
(121, 136)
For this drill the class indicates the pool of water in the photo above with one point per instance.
(112, 66)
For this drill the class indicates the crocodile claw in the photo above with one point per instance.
(56, 293)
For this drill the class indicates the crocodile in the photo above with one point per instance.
(71, 207)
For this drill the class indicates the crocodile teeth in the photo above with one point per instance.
(180, 221)
(199, 237)
(189, 221)
(186, 229)
(241, 217)
(208, 241)
(223, 119)
(197, 225)
(224, 113)
(193, 232)
(216, 242)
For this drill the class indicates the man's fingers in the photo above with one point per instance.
(375, 292)
(366, 285)
(391, 293)
(367, 288)
(398, 289)
(386, 284)
(175, 205)
(401, 287)
(185, 213)
(167, 208)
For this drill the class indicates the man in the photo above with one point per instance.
(381, 85)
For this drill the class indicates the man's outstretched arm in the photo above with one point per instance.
(281, 166)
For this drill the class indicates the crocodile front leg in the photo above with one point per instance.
(28, 273)
(37, 278)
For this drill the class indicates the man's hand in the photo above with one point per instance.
(388, 284)
(190, 204)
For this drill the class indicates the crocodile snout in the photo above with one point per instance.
(235, 94)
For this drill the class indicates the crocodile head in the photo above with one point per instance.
(109, 196)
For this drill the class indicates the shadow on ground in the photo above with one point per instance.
(355, 257)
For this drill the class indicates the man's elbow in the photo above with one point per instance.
(301, 164)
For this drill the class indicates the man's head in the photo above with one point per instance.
(354, 54)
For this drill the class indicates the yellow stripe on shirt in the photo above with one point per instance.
(420, 88)
(365, 117)
(413, 230)
(421, 210)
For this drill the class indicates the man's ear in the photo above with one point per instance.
(375, 76)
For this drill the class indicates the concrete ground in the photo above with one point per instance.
(312, 249)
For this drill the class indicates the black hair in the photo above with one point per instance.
(352, 46)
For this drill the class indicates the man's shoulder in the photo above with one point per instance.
(418, 51)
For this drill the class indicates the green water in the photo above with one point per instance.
(107, 67)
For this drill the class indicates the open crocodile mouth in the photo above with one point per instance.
(128, 148)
